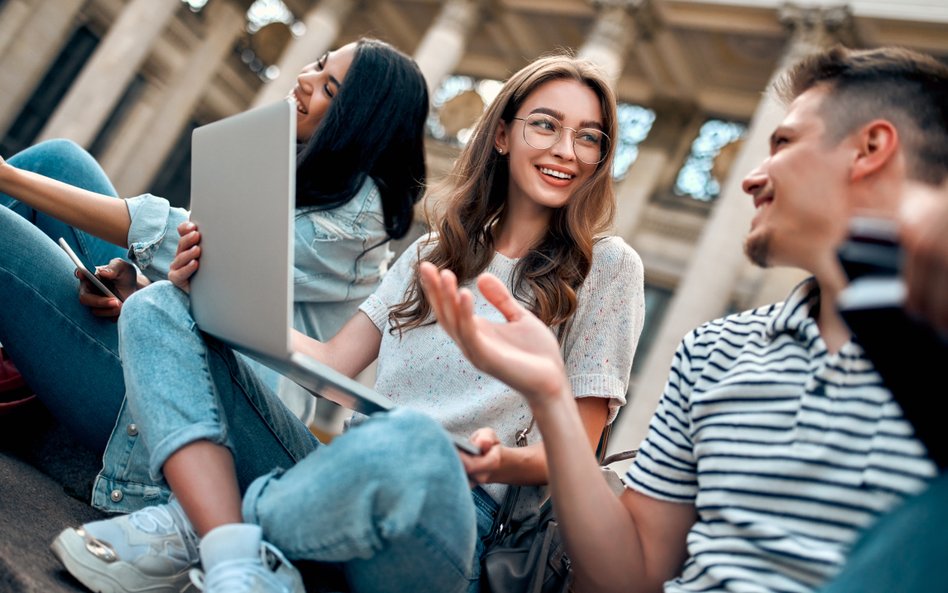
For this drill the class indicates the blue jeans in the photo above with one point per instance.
(68, 356)
(388, 500)
(905, 551)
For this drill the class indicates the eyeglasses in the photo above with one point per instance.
(543, 131)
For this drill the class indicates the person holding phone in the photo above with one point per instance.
(360, 124)
(389, 502)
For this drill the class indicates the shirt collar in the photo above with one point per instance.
(795, 314)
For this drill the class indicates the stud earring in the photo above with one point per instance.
(500, 150)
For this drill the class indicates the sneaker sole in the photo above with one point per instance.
(111, 577)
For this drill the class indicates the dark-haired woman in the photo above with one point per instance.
(360, 121)
(388, 502)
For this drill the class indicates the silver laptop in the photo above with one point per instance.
(243, 190)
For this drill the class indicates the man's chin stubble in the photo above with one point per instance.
(757, 250)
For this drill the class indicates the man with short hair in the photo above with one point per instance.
(775, 442)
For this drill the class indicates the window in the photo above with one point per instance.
(696, 179)
(634, 124)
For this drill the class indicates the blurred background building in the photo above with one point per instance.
(130, 80)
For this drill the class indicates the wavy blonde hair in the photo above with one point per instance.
(547, 277)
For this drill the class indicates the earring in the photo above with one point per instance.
(500, 150)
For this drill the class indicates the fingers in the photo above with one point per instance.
(480, 469)
(98, 304)
(185, 262)
(499, 296)
(441, 290)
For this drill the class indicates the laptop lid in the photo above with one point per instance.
(243, 186)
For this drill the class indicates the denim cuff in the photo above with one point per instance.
(152, 234)
(253, 494)
(166, 447)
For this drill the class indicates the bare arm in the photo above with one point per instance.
(632, 543)
(100, 215)
(350, 351)
(528, 465)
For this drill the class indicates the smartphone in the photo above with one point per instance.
(86, 271)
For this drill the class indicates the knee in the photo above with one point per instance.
(151, 309)
(417, 445)
(50, 156)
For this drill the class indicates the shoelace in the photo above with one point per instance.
(161, 519)
(153, 519)
(236, 576)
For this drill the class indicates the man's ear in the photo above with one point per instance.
(500, 138)
(878, 143)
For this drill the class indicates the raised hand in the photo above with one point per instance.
(185, 262)
(522, 352)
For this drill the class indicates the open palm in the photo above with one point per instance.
(522, 352)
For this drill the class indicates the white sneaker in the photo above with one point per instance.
(148, 551)
(237, 560)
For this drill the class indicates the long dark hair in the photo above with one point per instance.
(476, 197)
(374, 127)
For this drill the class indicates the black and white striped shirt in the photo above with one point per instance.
(786, 451)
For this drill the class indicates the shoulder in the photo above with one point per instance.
(613, 259)
(734, 329)
(417, 251)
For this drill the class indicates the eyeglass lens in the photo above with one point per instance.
(542, 131)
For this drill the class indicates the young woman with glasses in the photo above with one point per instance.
(390, 504)
(360, 125)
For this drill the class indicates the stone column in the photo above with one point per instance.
(706, 287)
(442, 47)
(612, 35)
(101, 83)
(322, 27)
(649, 169)
(31, 36)
(225, 22)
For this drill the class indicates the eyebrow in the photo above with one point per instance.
(333, 80)
(779, 131)
(561, 116)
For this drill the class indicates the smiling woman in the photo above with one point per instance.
(390, 499)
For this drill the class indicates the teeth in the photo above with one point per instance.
(557, 174)
(299, 106)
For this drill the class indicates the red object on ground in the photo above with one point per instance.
(13, 389)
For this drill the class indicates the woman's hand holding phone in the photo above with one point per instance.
(104, 290)
(122, 279)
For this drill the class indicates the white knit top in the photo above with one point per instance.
(425, 370)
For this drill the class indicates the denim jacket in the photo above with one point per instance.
(334, 269)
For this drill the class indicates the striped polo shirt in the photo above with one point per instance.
(786, 450)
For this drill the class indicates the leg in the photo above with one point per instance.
(197, 405)
(209, 424)
(65, 161)
(904, 551)
(68, 356)
(389, 499)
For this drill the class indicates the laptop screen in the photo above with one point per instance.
(243, 180)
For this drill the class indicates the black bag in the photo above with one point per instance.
(527, 556)
(525, 553)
